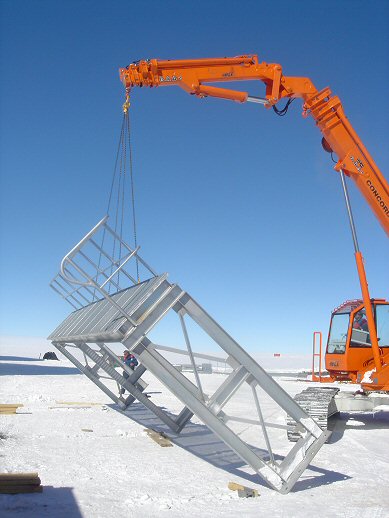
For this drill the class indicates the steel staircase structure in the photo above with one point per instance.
(113, 305)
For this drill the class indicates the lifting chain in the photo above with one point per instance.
(118, 198)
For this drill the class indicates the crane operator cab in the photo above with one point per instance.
(349, 349)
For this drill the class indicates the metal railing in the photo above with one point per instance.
(98, 266)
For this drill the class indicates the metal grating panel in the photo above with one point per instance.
(102, 321)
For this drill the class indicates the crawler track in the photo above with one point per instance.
(319, 403)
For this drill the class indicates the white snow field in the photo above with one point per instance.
(97, 461)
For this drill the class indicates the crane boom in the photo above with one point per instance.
(326, 109)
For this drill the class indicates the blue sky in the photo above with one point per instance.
(241, 207)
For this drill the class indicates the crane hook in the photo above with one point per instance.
(126, 104)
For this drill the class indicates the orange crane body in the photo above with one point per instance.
(194, 76)
(349, 352)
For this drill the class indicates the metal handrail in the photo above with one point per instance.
(80, 277)
(121, 266)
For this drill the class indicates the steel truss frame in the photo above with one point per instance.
(128, 315)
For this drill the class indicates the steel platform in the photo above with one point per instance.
(118, 298)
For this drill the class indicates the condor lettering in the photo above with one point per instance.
(378, 197)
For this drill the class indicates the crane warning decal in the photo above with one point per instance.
(169, 79)
(358, 164)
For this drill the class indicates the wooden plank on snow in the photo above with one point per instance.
(159, 437)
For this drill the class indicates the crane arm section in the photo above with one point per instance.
(193, 76)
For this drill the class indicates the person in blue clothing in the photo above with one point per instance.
(130, 360)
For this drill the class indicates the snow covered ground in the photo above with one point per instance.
(96, 461)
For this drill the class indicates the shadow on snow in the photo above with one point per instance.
(53, 501)
(378, 420)
(21, 369)
(18, 359)
(203, 443)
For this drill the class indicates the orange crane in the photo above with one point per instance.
(339, 137)
(348, 354)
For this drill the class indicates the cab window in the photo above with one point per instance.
(382, 315)
(360, 332)
(338, 334)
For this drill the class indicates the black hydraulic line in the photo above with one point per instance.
(284, 110)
